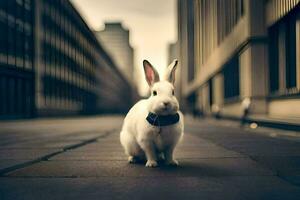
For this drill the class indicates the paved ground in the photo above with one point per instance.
(82, 159)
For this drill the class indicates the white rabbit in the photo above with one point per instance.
(153, 127)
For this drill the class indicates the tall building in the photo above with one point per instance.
(50, 63)
(16, 58)
(233, 51)
(173, 53)
(115, 39)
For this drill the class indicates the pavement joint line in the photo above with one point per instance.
(49, 138)
(26, 164)
(46, 157)
(274, 171)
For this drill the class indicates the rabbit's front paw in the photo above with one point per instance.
(172, 163)
(151, 163)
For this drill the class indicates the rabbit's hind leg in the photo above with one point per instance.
(132, 148)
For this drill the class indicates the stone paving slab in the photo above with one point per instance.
(208, 188)
(277, 152)
(284, 165)
(216, 162)
(109, 148)
(97, 156)
(247, 142)
(119, 155)
(100, 146)
(189, 167)
(19, 132)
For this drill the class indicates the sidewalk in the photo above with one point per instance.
(83, 159)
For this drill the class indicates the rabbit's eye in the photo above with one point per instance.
(173, 92)
(154, 93)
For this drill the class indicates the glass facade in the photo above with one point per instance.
(68, 58)
(16, 58)
(282, 55)
(51, 63)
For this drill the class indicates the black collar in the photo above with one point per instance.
(162, 120)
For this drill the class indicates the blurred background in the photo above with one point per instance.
(151, 28)
(237, 57)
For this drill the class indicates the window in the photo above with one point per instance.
(211, 94)
(282, 55)
(3, 34)
(231, 78)
(11, 33)
(290, 46)
(190, 38)
(273, 59)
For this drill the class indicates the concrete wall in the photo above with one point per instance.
(243, 36)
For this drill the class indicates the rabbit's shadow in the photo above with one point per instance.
(188, 169)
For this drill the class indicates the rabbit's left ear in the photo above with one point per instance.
(170, 75)
(150, 73)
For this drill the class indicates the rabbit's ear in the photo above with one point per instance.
(150, 73)
(170, 75)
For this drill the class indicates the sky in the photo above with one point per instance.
(152, 25)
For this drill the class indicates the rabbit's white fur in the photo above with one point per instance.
(143, 140)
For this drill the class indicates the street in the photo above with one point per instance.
(81, 158)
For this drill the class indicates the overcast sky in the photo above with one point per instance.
(152, 25)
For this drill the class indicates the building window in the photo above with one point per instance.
(211, 93)
(282, 55)
(273, 59)
(3, 33)
(190, 38)
(231, 79)
(290, 46)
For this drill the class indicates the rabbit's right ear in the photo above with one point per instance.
(150, 73)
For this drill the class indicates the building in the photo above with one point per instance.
(51, 63)
(115, 39)
(16, 58)
(234, 51)
(173, 53)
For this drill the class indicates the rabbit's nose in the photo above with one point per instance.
(166, 103)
